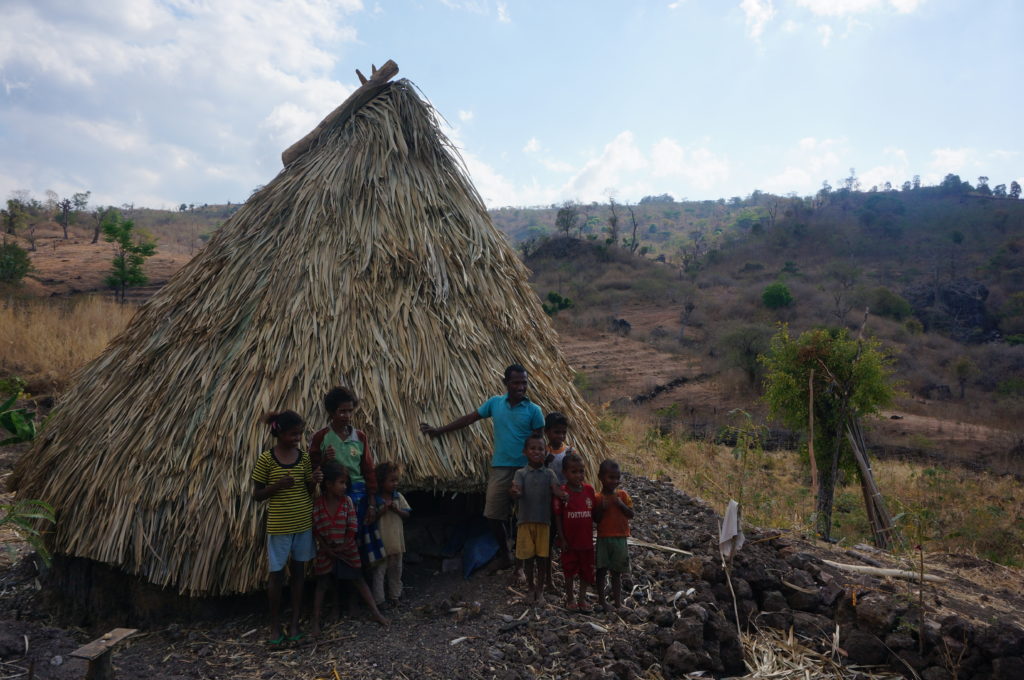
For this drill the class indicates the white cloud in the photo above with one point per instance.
(532, 146)
(905, 6)
(791, 178)
(825, 33)
(610, 171)
(465, 116)
(1003, 154)
(895, 170)
(482, 7)
(810, 162)
(790, 26)
(838, 8)
(951, 160)
(178, 100)
(758, 14)
(556, 166)
(676, 5)
(700, 167)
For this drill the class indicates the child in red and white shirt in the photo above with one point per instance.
(575, 521)
(335, 527)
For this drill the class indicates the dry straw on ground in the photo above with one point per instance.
(369, 261)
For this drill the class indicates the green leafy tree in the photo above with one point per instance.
(15, 216)
(1014, 189)
(14, 263)
(131, 252)
(851, 379)
(776, 296)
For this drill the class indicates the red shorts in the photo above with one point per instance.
(579, 562)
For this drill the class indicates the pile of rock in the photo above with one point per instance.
(681, 616)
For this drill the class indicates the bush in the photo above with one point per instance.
(884, 302)
(776, 296)
(14, 263)
(1011, 387)
(913, 326)
(555, 303)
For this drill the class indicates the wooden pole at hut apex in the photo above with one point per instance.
(369, 89)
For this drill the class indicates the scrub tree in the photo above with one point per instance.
(129, 255)
(850, 378)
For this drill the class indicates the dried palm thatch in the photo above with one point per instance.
(369, 261)
(773, 655)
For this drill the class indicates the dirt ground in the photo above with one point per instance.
(450, 627)
(77, 265)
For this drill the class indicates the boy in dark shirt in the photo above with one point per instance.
(533, 486)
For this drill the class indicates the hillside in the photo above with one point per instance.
(941, 269)
(942, 282)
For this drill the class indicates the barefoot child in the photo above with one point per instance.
(556, 427)
(335, 528)
(612, 512)
(576, 532)
(284, 476)
(533, 486)
(393, 510)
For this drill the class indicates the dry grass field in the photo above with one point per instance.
(944, 509)
(44, 341)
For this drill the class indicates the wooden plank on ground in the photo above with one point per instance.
(104, 644)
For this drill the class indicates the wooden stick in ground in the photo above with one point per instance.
(876, 571)
(810, 436)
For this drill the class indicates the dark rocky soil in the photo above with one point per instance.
(678, 618)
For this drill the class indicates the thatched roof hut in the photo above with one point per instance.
(370, 261)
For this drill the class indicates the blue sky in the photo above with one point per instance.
(159, 102)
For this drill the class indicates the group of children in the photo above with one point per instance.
(352, 529)
(550, 487)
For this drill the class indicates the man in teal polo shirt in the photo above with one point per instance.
(515, 418)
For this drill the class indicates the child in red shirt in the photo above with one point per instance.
(575, 521)
(335, 528)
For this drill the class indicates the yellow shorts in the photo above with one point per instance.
(533, 540)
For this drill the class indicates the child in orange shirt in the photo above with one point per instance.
(612, 512)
